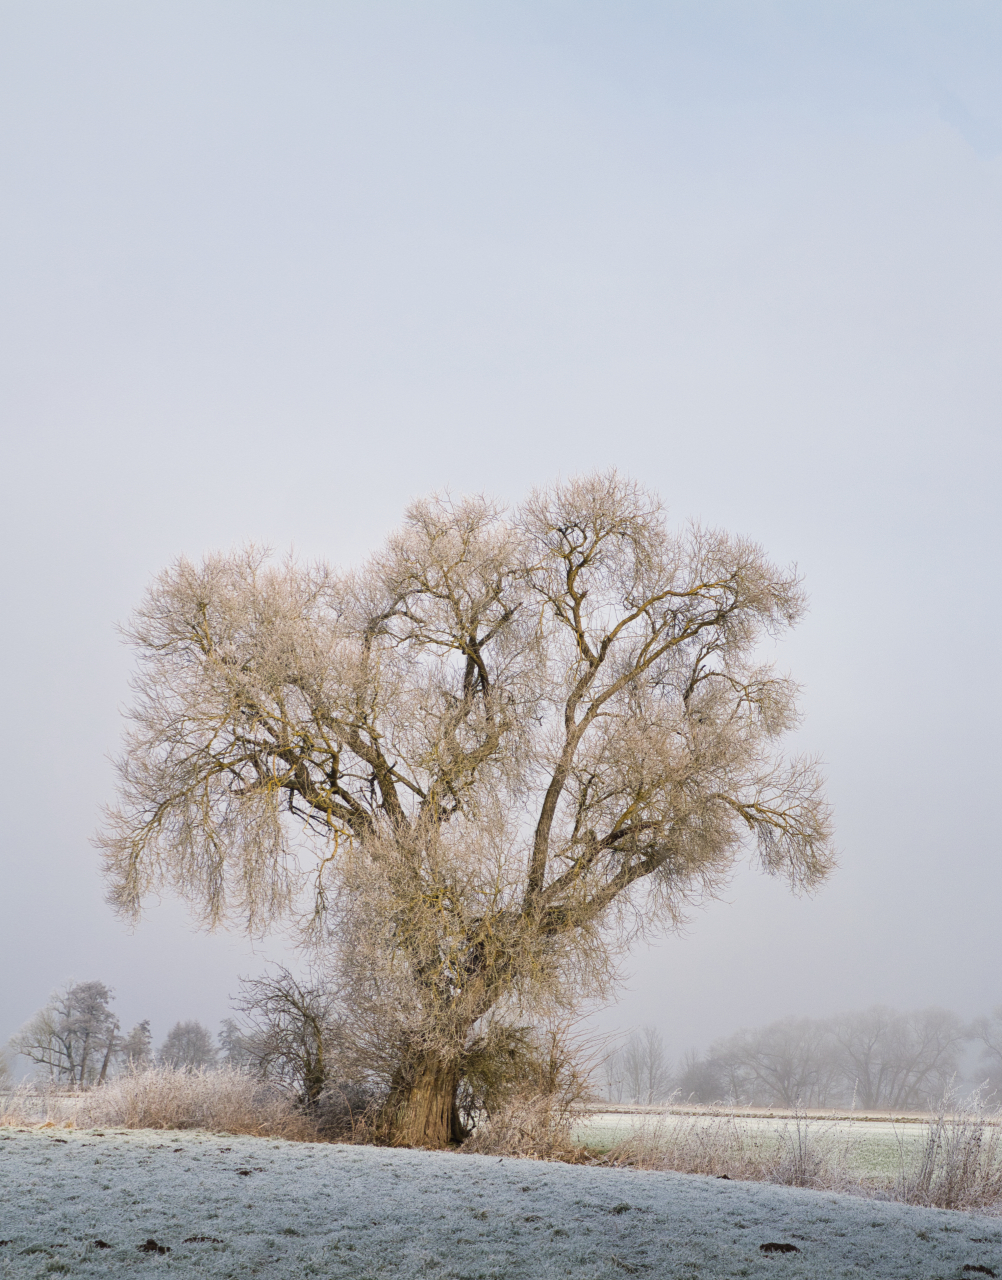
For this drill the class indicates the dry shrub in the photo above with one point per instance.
(813, 1154)
(534, 1127)
(960, 1166)
(348, 1112)
(716, 1145)
(223, 1100)
(524, 1092)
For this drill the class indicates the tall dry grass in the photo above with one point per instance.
(803, 1154)
(222, 1100)
(958, 1166)
(533, 1128)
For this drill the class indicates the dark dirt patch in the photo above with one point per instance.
(151, 1246)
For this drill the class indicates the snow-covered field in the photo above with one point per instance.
(238, 1207)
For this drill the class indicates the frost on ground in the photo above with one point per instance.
(241, 1206)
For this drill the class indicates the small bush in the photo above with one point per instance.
(347, 1112)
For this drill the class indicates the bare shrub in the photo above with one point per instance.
(222, 1100)
(812, 1154)
(960, 1166)
(348, 1112)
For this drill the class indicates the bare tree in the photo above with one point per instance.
(874, 1059)
(700, 1079)
(188, 1045)
(901, 1061)
(500, 746)
(74, 1037)
(646, 1067)
(613, 1075)
(788, 1063)
(293, 1030)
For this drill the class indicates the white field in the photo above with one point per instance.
(311, 1209)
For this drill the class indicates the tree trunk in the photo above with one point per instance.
(422, 1110)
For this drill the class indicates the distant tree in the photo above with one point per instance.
(506, 740)
(613, 1077)
(700, 1079)
(188, 1045)
(235, 1048)
(136, 1049)
(293, 1029)
(899, 1061)
(788, 1063)
(875, 1059)
(74, 1037)
(646, 1067)
(989, 1032)
(6, 1071)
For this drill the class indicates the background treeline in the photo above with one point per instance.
(287, 1032)
(76, 1041)
(873, 1059)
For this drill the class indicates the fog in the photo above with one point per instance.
(271, 270)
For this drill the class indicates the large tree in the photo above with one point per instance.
(502, 742)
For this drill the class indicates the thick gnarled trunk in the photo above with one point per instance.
(422, 1110)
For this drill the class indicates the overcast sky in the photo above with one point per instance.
(270, 270)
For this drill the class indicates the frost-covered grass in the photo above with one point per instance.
(292, 1209)
(870, 1151)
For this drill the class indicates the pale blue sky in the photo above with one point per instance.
(271, 269)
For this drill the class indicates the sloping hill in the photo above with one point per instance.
(238, 1206)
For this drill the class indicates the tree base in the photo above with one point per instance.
(422, 1110)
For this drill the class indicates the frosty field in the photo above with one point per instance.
(238, 1206)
